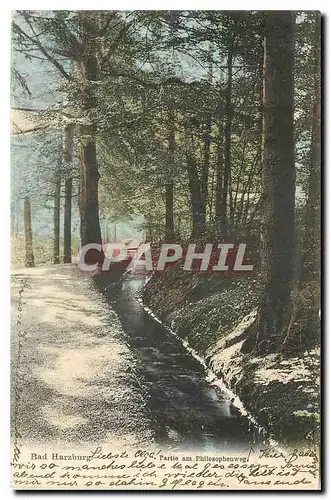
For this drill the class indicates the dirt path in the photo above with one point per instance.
(68, 369)
(95, 368)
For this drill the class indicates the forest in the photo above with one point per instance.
(188, 127)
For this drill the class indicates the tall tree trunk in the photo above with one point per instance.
(29, 257)
(304, 325)
(234, 205)
(227, 141)
(91, 232)
(67, 221)
(219, 158)
(12, 217)
(17, 218)
(169, 195)
(219, 178)
(278, 180)
(198, 220)
(311, 245)
(195, 190)
(243, 207)
(81, 200)
(169, 188)
(56, 213)
(256, 168)
(91, 226)
(68, 197)
(149, 228)
(207, 140)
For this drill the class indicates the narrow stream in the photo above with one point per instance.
(186, 410)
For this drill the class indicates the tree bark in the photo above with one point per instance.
(91, 226)
(278, 180)
(207, 140)
(56, 214)
(81, 200)
(12, 217)
(219, 178)
(227, 142)
(304, 326)
(169, 195)
(219, 158)
(67, 221)
(91, 232)
(312, 236)
(149, 228)
(68, 197)
(198, 220)
(29, 256)
(195, 188)
(169, 188)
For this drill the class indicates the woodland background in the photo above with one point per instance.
(174, 125)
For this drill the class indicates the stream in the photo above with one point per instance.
(186, 410)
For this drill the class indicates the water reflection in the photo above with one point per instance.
(186, 410)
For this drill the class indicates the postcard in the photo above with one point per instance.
(165, 250)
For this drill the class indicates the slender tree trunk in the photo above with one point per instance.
(169, 195)
(67, 221)
(205, 171)
(219, 178)
(68, 197)
(233, 207)
(56, 214)
(195, 190)
(207, 140)
(29, 257)
(179, 227)
(278, 180)
(256, 168)
(17, 218)
(81, 201)
(169, 188)
(12, 217)
(242, 212)
(227, 141)
(211, 197)
(149, 229)
(198, 220)
(219, 159)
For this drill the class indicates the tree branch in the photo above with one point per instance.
(42, 49)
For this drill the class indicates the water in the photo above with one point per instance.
(186, 410)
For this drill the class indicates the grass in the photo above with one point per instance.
(282, 393)
(42, 249)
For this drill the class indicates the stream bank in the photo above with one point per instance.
(186, 408)
(212, 314)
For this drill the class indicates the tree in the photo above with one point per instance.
(169, 188)
(227, 135)
(29, 256)
(311, 247)
(68, 196)
(278, 180)
(56, 212)
(90, 32)
(304, 326)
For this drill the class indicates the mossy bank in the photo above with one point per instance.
(212, 314)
